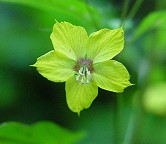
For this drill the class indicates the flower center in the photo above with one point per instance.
(84, 69)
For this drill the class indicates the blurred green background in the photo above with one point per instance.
(137, 116)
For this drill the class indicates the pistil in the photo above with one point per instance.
(84, 69)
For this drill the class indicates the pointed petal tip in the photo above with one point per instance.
(129, 84)
(121, 27)
(76, 111)
(56, 21)
(33, 65)
(132, 84)
(78, 114)
(62, 23)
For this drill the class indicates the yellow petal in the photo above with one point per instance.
(69, 40)
(105, 44)
(111, 75)
(55, 66)
(78, 95)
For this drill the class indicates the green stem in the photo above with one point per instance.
(135, 119)
(129, 132)
(137, 114)
(124, 11)
(135, 8)
(117, 118)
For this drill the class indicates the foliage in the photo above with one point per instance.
(38, 133)
(135, 116)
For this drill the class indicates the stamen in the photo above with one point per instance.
(77, 77)
(84, 68)
(84, 74)
(87, 81)
(80, 72)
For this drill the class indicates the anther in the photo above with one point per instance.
(84, 68)
(77, 77)
(84, 75)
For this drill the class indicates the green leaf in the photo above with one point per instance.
(152, 33)
(69, 40)
(38, 133)
(111, 75)
(155, 20)
(78, 95)
(55, 66)
(105, 44)
(71, 10)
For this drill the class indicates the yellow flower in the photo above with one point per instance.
(84, 63)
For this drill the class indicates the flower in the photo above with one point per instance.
(84, 63)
